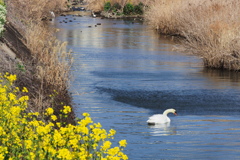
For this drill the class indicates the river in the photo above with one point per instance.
(124, 72)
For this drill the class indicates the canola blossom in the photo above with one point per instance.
(25, 135)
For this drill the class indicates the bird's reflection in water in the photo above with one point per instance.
(162, 129)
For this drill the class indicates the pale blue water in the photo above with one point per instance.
(124, 72)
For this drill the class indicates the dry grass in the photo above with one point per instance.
(53, 63)
(31, 11)
(53, 60)
(210, 28)
(47, 71)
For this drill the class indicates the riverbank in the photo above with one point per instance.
(36, 119)
(30, 51)
(210, 28)
(117, 9)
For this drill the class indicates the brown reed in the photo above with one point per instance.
(47, 72)
(211, 28)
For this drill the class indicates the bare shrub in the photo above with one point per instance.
(211, 28)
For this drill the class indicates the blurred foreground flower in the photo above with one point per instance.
(25, 136)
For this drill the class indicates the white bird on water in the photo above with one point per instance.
(161, 118)
(52, 14)
(94, 15)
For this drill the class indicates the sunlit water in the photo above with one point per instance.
(124, 72)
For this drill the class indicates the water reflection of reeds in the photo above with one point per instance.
(218, 76)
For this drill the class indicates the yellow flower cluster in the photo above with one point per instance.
(25, 136)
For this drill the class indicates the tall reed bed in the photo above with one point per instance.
(211, 28)
(46, 73)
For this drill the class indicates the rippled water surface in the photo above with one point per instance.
(124, 72)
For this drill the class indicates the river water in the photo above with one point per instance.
(124, 72)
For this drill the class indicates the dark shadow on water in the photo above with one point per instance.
(186, 102)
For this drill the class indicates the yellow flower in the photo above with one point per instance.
(11, 78)
(66, 109)
(1, 156)
(106, 145)
(32, 155)
(43, 130)
(51, 150)
(58, 124)
(22, 133)
(2, 132)
(98, 125)
(74, 143)
(24, 89)
(36, 113)
(123, 156)
(113, 151)
(58, 139)
(12, 96)
(28, 144)
(3, 90)
(86, 114)
(123, 143)
(15, 110)
(64, 154)
(53, 117)
(112, 132)
(49, 111)
(3, 149)
(23, 99)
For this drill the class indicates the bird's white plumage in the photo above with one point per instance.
(52, 14)
(94, 15)
(158, 118)
(161, 118)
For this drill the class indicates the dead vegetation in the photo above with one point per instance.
(45, 69)
(211, 28)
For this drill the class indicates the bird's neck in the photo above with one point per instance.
(166, 112)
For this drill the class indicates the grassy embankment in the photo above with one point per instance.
(43, 63)
(44, 70)
(210, 28)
